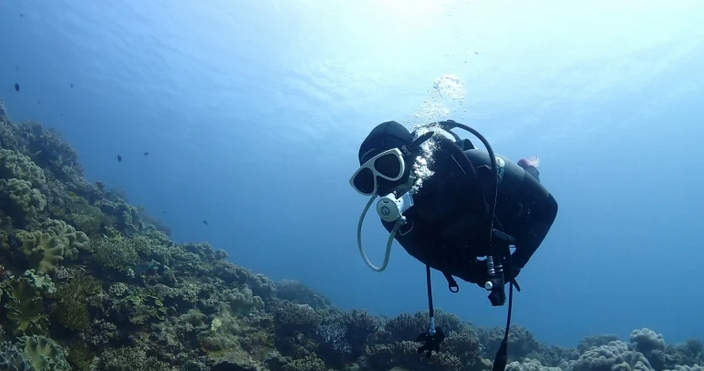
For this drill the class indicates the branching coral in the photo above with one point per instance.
(79, 213)
(138, 308)
(407, 326)
(118, 255)
(405, 354)
(130, 359)
(309, 363)
(49, 150)
(521, 342)
(72, 309)
(297, 292)
(126, 217)
(291, 319)
(466, 346)
(80, 357)
(222, 334)
(360, 327)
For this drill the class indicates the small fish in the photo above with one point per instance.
(146, 153)
(476, 52)
(21, 15)
(39, 102)
(205, 222)
(119, 158)
(17, 66)
(70, 193)
(163, 212)
(17, 87)
(71, 85)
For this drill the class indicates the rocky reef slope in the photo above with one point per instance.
(90, 282)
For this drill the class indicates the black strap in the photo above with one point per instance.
(431, 310)
(454, 287)
(434, 336)
(502, 354)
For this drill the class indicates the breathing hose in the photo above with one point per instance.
(399, 223)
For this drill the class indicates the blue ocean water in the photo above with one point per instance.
(253, 111)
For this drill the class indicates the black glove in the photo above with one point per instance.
(431, 342)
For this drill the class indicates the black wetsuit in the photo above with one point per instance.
(448, 226)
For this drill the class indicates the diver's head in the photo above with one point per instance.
(383, 165)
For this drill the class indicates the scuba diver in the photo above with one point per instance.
(456, 208)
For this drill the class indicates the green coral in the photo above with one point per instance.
(130, 359)
(222, 334)
(522, 342)
(68, 235)
(138, 308)
(405, 353)
(291, 319)
(119, 289)
(127, 218)
(297, 292)
(262, 286)
(82, 215)
(45, 249)
(17, 165)
(309, 363)
(117, 254)
(20, 201)
(72, 309)
(361, 325)
(80, 357)
(44, 354)
(23, 298)
(50, 151)
(243, 301)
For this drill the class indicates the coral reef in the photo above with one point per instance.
(89, 282)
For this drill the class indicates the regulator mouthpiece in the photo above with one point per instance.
(391, 208)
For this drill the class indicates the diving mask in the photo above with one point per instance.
(388, 165)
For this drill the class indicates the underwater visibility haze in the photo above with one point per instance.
(239, 124)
